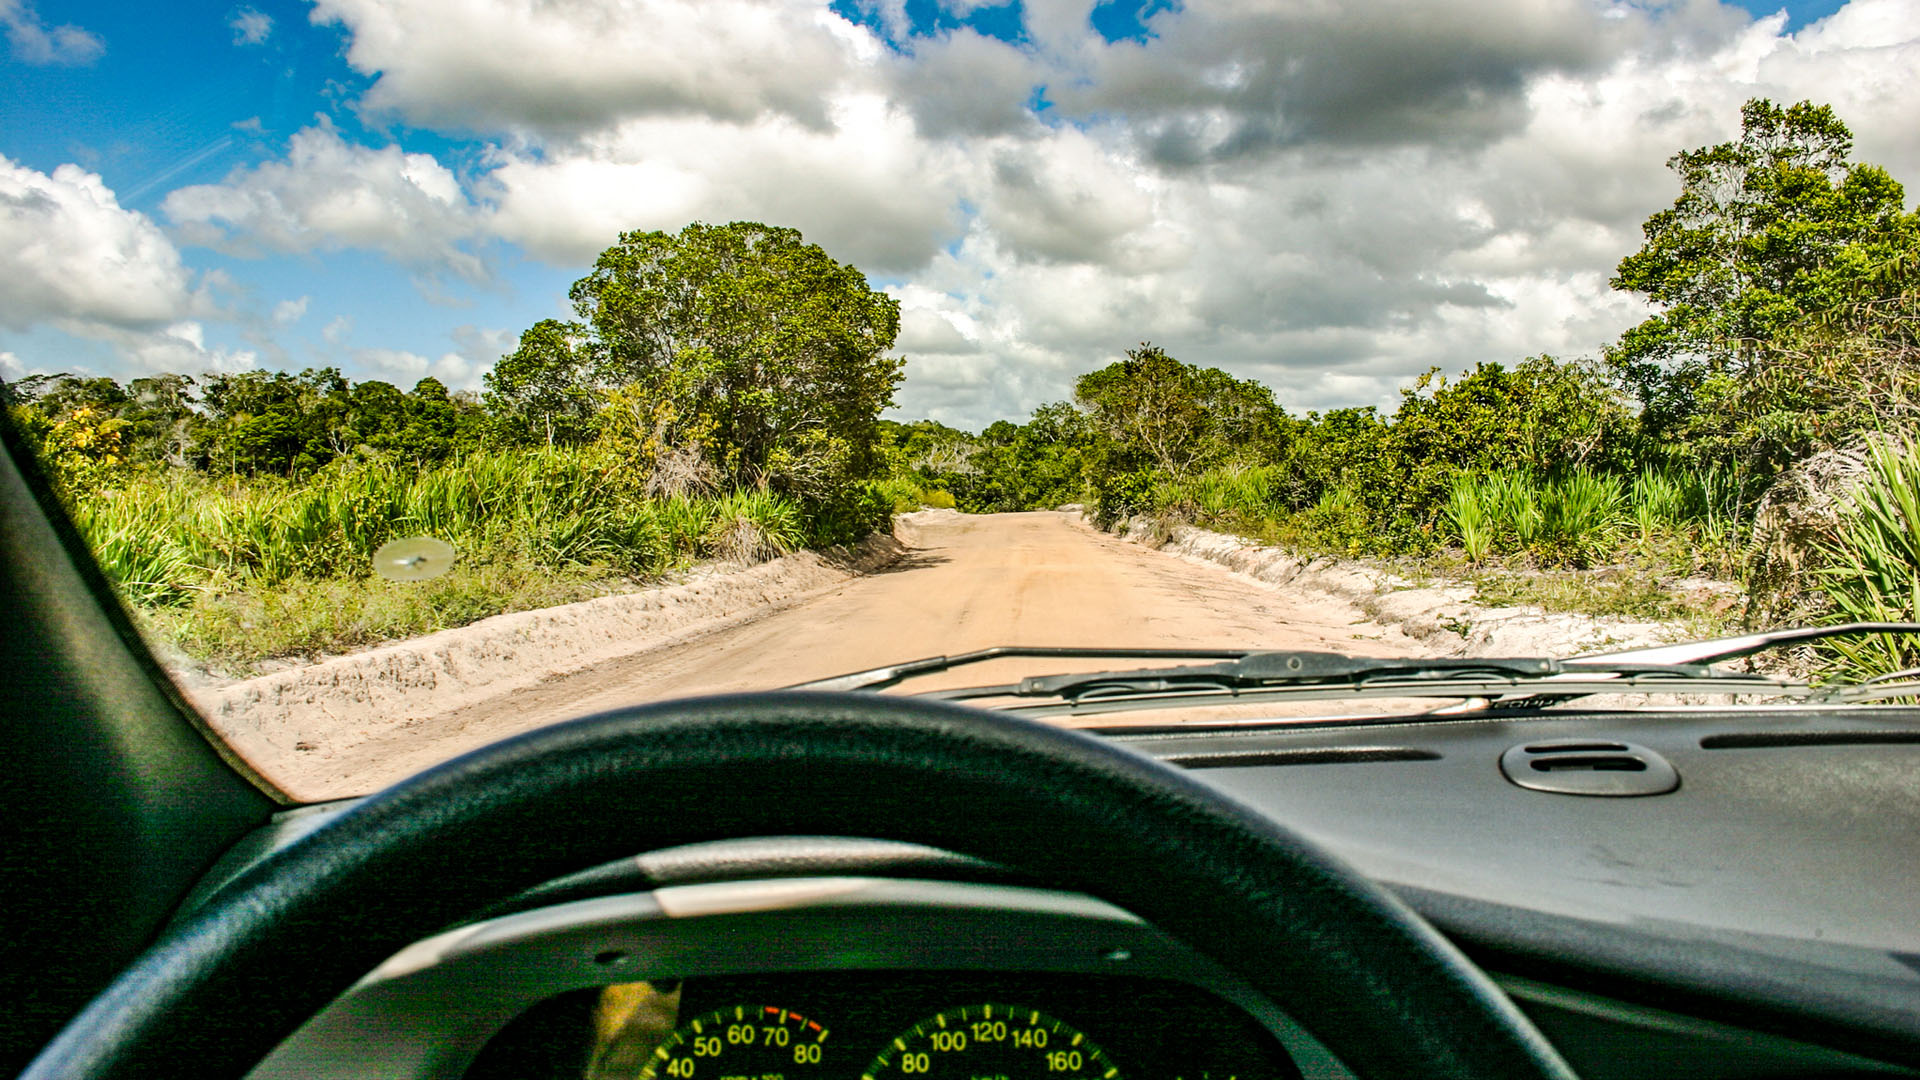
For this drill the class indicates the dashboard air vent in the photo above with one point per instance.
(1589, 767)
(1760, 740)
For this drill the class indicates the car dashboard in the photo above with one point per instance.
(1754, 918)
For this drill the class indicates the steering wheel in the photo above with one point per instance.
(1355, 966)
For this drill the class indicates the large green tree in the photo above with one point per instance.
(544, 391)
(1179, 417)
(748, 345)
(1769, 232)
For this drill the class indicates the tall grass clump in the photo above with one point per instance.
(753, 526)
(1657, 503)
(1243, 491)
(1580, 514)
(1466, 511)
(1872, 571)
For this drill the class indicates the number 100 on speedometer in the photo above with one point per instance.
(991, 1042)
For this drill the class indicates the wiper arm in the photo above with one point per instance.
(1504, 682)
(893, 674)
(1733, 648)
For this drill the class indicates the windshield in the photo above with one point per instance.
(422, 373)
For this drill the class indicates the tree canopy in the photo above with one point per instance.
(1770, 232)
(741, 343)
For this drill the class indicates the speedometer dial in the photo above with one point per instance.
(742, 1042)
(991, 1042)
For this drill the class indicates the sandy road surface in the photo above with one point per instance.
(967, 582)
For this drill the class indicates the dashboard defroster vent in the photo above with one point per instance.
(1334, 755)
(1589, 767)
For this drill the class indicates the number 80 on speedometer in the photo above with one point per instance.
(745, 1042)
(991, 1042)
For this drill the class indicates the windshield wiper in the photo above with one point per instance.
(893, 674)
(1490, 682)
(1501, 682)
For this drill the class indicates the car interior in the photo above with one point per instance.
(841, 885)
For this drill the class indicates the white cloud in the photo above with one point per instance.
(406, 368)
(70, 254)
(338, 329)
(867, 189)
(250, 27)
(288, 312)
(531, 65)
(330, 194)
(34, 42)
(180, 347)
(12, 368)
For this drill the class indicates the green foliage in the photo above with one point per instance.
(748, 347)
(1178, 418)
(217, 549)
(1467, 513)
(1873, 568)
(1771, 234)
(544, 391)
(753, 526)
(1657, 502)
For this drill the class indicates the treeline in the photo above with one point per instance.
(1152, 435)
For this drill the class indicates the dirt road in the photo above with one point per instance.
(966, 582)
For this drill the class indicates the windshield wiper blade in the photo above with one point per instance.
(1277, 673)
(893, 674)
(1504, 682)
(1733, 648)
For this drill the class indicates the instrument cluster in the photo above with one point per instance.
(886, 1026)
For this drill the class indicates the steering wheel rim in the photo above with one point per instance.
(1354, 965)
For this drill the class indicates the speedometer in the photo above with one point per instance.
(991, 1042)
(740, 1042)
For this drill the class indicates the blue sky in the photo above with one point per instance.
(1042, 185)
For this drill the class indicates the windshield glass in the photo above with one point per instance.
(423, 373)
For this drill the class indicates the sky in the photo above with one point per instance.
(1328, 197)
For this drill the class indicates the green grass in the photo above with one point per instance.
(1872, 571)
(236, 572)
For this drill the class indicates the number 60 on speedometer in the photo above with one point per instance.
(745, 1042)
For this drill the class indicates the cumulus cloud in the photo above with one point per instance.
(70, 254)
(1234, 79)
(490, 65)
(406, 368)
(180, 347)
(250, 27)
(330, 194)
(288, 312)
(34, 42)
(867, 189)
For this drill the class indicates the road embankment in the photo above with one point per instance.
(1442, 615)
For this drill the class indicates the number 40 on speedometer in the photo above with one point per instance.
(745, 1042)
(991, 1042)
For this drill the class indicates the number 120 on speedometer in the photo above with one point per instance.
(991, 1042)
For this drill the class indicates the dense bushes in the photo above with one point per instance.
(239, 570)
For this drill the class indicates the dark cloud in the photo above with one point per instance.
(1226, 85)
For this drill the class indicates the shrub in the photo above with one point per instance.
(1873, 571)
